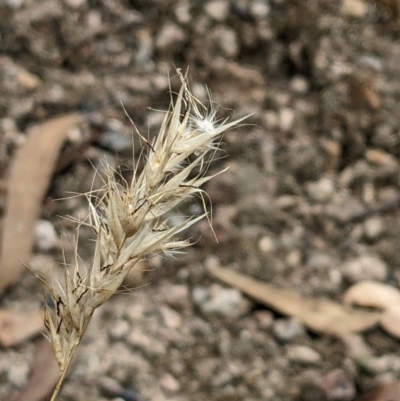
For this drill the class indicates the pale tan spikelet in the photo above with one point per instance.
(129, 219)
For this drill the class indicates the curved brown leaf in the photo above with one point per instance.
(381, 296)
(28, 180)
(372, 294)
(16, 327)
(43, 377)
(318, 314)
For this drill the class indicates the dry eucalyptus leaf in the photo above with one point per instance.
(28, 180)
(372, 294)
(318, 314)
(16, 327)
(390, 322)
(43, 377)
(381, 296)
(385, 392)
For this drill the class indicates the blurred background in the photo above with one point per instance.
(309, 204)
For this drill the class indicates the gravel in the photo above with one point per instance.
(306, 205)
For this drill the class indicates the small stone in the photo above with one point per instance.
(293, 258)
(172, 319)
(264, 319)
(226, 303)
(221, 379)
(299, 84)
(227, 41)
(271, 119)
(337, 386)
(170, 38)
(353, 8)
(182, 12)
(286, 330)
(18, 372)
(217, 9)
(321, 190)
(154, 119)
(356, 347)
(286, 118)
(200, 91)
(260, 9)
(75, 3)
(145, 50)
(136, 312)
(342, 206)
(199, 327)
(75, 135)
(211, 262)
(303, 354)
(199, 295)
(304, 160)
(373, 228)
(56, 93)
(119, 330)
(371, 61)
(365, 267)
(160, 82)
(384, 136)
(321, 261)
(205, 368)
(114, 138)
(333, 152)
(27, 80)
(382, 364)
(169, 383)
(177, 296)
(151, 346)
(287, 202)
(379, 157)
(15, 4)
(267, 245)
(94, 20)
(46, 237)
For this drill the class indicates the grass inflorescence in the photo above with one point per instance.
(129, 219)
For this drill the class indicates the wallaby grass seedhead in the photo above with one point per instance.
(129, 219)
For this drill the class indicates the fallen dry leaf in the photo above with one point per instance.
(318, 314)
(372, 294)
(16, 327)
(390, 322)
(385, 392)
(44, 375)
(381, 296)
(28, 180)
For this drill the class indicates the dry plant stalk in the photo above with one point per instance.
(129, 219)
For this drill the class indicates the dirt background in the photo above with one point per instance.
(297, 208)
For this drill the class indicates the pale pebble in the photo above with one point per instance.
(366, 267)
(46, 237)
(303, 354)
(217, 9)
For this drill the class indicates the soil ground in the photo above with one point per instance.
(297, 208)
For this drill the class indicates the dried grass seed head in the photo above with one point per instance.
(129, 220)
(164, 182)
